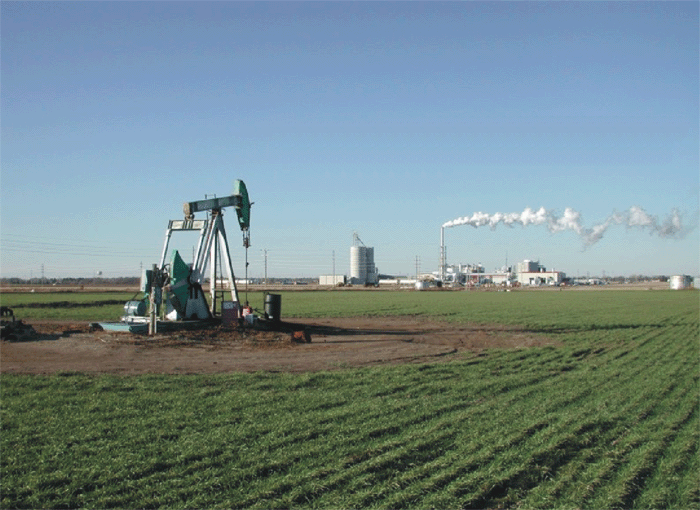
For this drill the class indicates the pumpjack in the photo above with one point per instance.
(174, 291)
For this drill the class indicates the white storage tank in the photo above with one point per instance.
(358, 264)
(680, 282)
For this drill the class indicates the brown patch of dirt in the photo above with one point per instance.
(301, 346)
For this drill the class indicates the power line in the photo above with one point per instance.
(60, 248)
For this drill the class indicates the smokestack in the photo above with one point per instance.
(443, 256)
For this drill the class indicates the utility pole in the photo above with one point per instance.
(265, 250)
(152, 305)
(417, 267)
(334, 267)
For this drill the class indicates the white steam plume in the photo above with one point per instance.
(571, 220)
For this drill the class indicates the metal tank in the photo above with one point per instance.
(371, 275)
(358, 264)
(680, 282)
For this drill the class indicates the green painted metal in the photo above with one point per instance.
(179, 284)
(243, 210)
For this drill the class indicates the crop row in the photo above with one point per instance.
(545, 439)
(609, 419)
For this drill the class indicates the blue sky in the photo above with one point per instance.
(388, 119)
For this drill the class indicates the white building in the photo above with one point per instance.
(529, 272)
(332, 279)
(528, 266)
(541, 278)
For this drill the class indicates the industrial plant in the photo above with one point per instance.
(363, 271)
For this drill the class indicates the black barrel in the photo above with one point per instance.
(273, 307)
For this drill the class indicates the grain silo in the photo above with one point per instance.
(362, 268)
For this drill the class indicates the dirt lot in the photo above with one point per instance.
(334, 344)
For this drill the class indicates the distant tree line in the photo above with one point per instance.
(92, 281)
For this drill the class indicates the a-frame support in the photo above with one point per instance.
(212, 244)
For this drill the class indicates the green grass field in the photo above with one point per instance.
(609, 419)
(79, 306)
